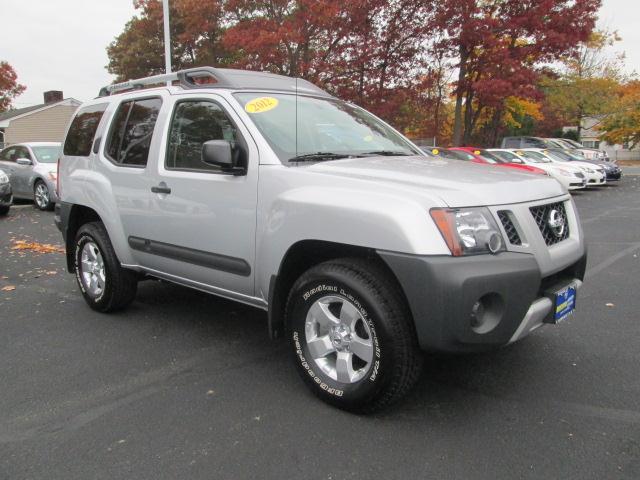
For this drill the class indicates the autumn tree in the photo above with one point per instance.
(587, 81)
(196, 27)
(367, 51)
(9, 86)
(497, 45)
(623, 126)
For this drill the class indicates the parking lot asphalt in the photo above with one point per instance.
(186, 385)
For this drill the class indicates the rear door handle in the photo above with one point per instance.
(162, 188)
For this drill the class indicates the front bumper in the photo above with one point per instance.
(442, 291)
(614, 175)
(5, 194)
(596, 180)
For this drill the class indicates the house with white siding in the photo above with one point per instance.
(46, 122)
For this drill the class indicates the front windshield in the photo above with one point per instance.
(46, 154)
(298, 126)
(534, 157)
(465, 155)
(489, 157)
(507, 157)
(571, 142)
(454, 155)
(560, 156)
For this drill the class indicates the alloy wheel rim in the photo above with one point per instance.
(92, 269)
(42, 195)
(339, 339)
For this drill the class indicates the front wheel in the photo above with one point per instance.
(351, 335)
(42, 196)
(104, 284)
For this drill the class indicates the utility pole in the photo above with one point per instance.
(167, 38)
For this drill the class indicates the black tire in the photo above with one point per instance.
(48, 205)
(4, 210)
(397, 360)
(120, 284)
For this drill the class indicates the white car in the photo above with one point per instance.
(570, 177)
(596, 174)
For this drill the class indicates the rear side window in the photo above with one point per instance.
(131, 131)
(83, 128)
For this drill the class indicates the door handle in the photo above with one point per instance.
(162, 188)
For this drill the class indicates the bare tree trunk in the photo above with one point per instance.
(468, 118)
(495, 125)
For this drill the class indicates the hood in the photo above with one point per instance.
(457, 183)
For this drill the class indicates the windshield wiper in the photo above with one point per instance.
(387, 153)
(318, 156)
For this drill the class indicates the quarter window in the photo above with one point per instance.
(131, 132)
(82, 130)
(194, 123)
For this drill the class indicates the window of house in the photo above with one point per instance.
(131, 131)
(194, 123)
(82, 130)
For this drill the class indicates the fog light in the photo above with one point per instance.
(477, 314)
(486, 313)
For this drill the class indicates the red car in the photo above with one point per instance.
(479, 155)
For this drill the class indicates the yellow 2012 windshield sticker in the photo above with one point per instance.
(262, 104)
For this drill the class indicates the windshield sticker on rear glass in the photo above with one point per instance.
(262, 104)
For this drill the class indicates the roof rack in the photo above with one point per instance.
(187, 78)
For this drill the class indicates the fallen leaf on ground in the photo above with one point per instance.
(610, 305)
(8, 288)
(52, 272)
(37, 247)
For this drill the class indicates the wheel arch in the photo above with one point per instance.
(78, 215)
(302, 256)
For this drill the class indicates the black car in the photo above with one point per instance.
(5, 193)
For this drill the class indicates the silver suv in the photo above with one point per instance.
(269, 191)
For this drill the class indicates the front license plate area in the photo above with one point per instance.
(564, 303)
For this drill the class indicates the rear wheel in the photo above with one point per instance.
(4, 209)
(104, 284)
(351, 335)
(42, 196)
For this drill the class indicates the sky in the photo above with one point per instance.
(60, 44)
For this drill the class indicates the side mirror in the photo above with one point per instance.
(220, 153)
(23, 161)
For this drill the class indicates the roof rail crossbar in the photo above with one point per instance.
(188, 78)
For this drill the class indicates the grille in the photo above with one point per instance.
(509, 228)
(541, 214)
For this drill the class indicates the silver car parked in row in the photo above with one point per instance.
(32, 171)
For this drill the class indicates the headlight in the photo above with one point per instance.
(468, 231)
(3, 177)
(53, 176)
